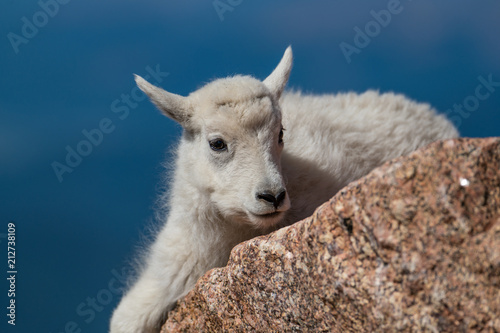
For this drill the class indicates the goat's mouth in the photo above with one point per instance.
(268, 215)
(268, 219)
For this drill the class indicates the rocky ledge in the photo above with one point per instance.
(414, 246)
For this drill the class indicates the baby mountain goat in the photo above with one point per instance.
(252, 159)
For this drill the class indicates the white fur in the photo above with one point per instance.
(214, 204)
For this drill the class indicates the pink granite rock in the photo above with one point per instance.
(414, 246)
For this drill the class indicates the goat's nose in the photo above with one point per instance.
(274, 200)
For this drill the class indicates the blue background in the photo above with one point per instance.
(74, 236)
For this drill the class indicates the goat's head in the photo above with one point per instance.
(232, 143)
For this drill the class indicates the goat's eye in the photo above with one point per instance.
(280, 137)
(218, 145)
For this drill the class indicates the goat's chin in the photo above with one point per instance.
(266, 221)
(262, 222)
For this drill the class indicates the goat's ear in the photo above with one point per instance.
(172, 105)
(276, 82)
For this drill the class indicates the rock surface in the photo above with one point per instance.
(414, 246)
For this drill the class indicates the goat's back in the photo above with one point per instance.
(331, 140)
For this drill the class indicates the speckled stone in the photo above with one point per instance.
(413, 247)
